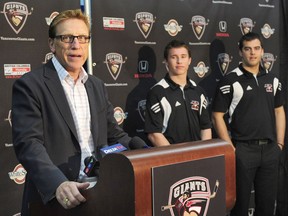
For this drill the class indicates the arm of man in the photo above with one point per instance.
(158, 139)
(280, 125)
(220, 126)
(206, 134)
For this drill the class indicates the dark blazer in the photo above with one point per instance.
(44, 135)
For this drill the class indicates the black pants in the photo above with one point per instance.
(256, 164)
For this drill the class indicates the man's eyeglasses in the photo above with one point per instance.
(70, 38)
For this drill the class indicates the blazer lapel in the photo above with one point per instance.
(93, 109)
(54, 85)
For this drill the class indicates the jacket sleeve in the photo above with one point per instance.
(28, 139)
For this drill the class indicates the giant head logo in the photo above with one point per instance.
(16, 14)
(190, 196)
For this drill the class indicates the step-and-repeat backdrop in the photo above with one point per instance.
(128, 39)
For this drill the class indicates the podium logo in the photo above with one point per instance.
(16, 15)
(190, 196)
(18, 175)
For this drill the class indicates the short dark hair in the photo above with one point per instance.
(175, 44)
(249, 37)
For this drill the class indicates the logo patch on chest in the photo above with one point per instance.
(194, 105)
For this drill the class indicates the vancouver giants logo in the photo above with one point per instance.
(198, 24)
(144, 21)
(268, 87)
(16, 15)
(114, 63)
(246, 25)
(223, 62)
(268, 60)
(190, 196)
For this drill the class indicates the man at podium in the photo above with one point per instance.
(61, 115)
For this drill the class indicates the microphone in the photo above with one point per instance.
(112, 149)
(137, 143)
(91, 166)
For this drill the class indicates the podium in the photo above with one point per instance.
(127, 184)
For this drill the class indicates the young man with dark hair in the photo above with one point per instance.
(176, 108)
(253, 99)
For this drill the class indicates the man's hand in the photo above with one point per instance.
(68, 194)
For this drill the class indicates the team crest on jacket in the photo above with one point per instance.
(190, 196)
(144, 21)
(194, 105)
(114, 63)
(16, 14)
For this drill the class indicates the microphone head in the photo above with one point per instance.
(91, 165)
(137, 143)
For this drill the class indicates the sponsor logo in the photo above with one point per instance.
(267, 31)
(201, 69)
(268, 60)
(223, 26)
(119, 115)
(144, 21)
(112, 23)
(177, 104)
(13, 71)
(141, 109)
(222, 29)
(246, 25)
(16, 14)
(223, 61)
(143, 69)
(114, 63)
(190, 196)
(172, 27)
(51, 17)
(18, 174)
(143, 66)
(249, 88)
(198, 24)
